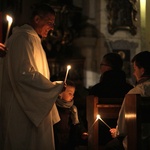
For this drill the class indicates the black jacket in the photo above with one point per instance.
(112, 85)
(67, 135)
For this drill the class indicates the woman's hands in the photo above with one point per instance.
(113, 132)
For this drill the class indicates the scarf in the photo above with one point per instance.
(73, 109)
(63, 103)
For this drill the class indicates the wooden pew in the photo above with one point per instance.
(137, 110)
(108, 109)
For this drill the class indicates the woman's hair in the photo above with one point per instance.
(142, 60)
(41, 9)
(114, 60)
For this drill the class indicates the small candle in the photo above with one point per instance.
(99, 117)
(10, 20)
(68, 68)
(92, 124)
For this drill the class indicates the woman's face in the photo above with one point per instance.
(137, 72)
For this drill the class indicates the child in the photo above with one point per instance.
(69, 131)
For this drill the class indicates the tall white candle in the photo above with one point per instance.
(68, 68)
(10, 20)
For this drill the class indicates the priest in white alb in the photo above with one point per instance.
(27, 102)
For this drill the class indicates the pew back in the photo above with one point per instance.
(137, 110)
(108, 108)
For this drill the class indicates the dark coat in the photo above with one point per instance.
(112, 85)
(67, 135)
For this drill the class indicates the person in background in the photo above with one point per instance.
(69, 131)
(113, 79)
(27, 104)
(141, 72)
(2, 50)
(112, 85)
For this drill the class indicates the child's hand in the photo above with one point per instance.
(84, 135)
(74, 115)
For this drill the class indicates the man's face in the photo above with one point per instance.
(44, 24)
(104, 67)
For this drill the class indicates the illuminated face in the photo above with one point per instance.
(44, 24)
(68, 94)
(138, 72)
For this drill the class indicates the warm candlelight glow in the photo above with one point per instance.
(92, 125)
(10, 20)
(68, 68)
(99, 117)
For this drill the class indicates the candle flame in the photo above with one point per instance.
(68, 67)
(98, 117)
(9, 19)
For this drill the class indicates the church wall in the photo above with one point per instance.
(120, 40)
(95, 40)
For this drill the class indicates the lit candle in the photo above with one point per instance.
(99, 117)
(68, 68)
(92, 125)
(10, 20)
